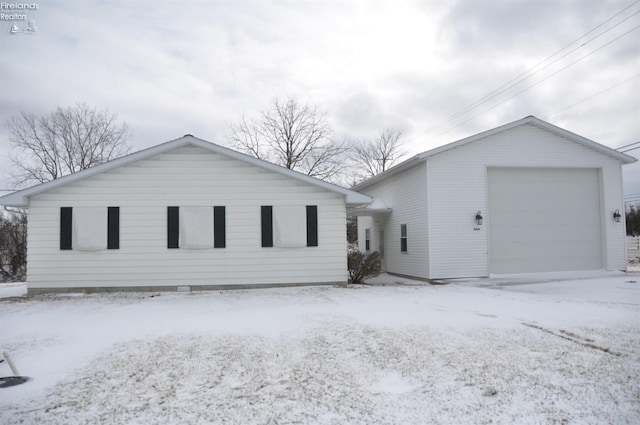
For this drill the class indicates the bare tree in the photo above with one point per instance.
(293, 135)
(375, 156)
(246, 136)
(47, 147)
(13, 246)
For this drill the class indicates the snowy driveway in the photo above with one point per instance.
(539, 353)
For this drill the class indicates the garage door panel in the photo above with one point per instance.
(538, 250)
(535, 221)
(545, 202)
(553, 264)
(544, 220)
(549, 234)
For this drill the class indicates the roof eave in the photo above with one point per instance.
(605, 150)
(624, 158)
(11, 200)
(389, 173)
(21, 198)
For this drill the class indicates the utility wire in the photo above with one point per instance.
(591, 97)
(515, 81)
(629, 149)
(626, 146)
(535, 84)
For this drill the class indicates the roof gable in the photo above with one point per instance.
(542, 125)
(531, 120)
(21, 197)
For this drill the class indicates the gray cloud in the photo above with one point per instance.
(192, 67)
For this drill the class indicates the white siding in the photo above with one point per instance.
(187, 176)
(457, 183)
(406, 194)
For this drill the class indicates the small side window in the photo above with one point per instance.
(367, 239)
(403, 238)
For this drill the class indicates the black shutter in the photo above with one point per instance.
(113, 228)
(173, 226)
(66, 223)
(219, 227)
(312, 225)
(266, 213)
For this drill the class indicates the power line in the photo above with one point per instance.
(592, 96)
(535, 84)
(517, 80)
(626, 146)
(631, 149)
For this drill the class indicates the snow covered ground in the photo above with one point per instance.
(506, 350)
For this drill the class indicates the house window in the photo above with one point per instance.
(367, 239)
(196, 227)
(381, 243)
(403, 238)
(289, 226)
(89, 228)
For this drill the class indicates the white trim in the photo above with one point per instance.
(376, 207)
(626, 159)
(21, 198)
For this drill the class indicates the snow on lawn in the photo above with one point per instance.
(488, 351)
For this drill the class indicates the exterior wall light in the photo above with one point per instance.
(616, 216)
(479, 218)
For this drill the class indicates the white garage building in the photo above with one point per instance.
(524, 197)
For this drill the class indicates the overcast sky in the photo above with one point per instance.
(169, 68)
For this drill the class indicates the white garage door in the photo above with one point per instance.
(544, 219)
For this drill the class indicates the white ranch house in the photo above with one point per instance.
(524, 197)
(184, 213)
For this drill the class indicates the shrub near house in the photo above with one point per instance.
(362, 265)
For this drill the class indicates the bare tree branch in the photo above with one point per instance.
(375, 156)
(13, 245)
(292, 135)
(68, 140)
